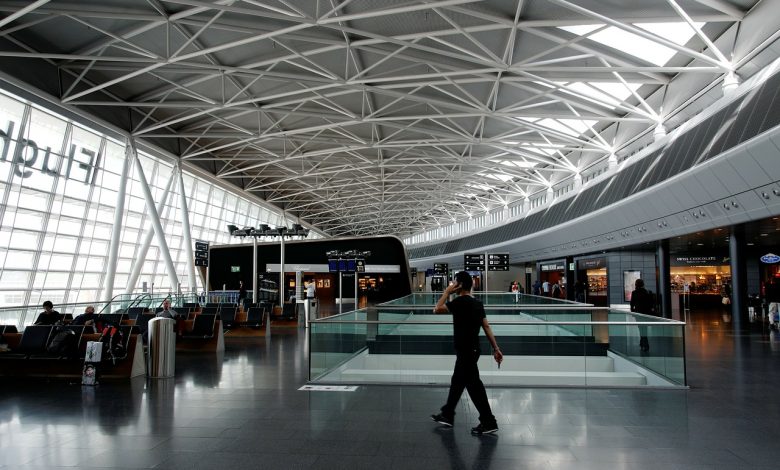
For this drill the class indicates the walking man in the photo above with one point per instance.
(468, 315)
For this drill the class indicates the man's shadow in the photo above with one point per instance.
(487, 446)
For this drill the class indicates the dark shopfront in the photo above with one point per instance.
(594, 274)
(552, 272)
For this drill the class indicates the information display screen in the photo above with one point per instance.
(333, 265)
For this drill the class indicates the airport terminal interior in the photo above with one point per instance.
(225, 226)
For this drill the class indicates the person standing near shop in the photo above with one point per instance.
(546, 288)
(468, 315)
(642, 302)
(579, 291)
(537, 287)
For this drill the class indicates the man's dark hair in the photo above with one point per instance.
(48, 304)
(639, 283)
(464, 279)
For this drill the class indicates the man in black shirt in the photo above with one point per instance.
(87, 318)
(468, 315)
(49, 316)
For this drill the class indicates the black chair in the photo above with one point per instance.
(289, 310)
(134, 312)
(34, 340)
(212, 304)
(210, 311)
(142, 322)
(228, 316)
(191, 304)
(78, 331)
(202, 327)
(254, 316)
(111, 318)
(8, 329)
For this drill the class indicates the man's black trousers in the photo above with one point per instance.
(466, 376)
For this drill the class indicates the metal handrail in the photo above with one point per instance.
(505, 322)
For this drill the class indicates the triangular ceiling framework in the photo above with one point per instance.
(379, 117)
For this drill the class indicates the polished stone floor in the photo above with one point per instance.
(244, 411)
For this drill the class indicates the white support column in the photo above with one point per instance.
(141, 258)
(185, 221)
(119, 212)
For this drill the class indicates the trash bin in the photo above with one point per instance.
(162, 348)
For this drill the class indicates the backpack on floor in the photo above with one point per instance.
(113, 343)
(63, 343)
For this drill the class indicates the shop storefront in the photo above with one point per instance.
(593, 273)
(553, 272)
(701, 280)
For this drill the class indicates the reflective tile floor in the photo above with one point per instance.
(244, 411)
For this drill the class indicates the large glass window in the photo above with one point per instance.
(55, 229)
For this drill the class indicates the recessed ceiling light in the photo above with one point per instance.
(750, 244)
(764, 234)
(700, 244)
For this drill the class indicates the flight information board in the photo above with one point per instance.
(474, 262)
(498, 262)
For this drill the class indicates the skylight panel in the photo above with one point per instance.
(604, 92)
(653, 52)
(517, 164)
(483, 187)
(497, 176)
(572, 127)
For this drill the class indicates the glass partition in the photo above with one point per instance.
(591, 347)
(487, 298)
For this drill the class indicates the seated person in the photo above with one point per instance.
(49, 316)
(167, 312)
(87, 318)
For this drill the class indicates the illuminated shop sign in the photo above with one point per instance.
(553, 267)
(699, 261)
(79, 164)
(770, 258)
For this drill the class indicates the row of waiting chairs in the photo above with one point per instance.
(36, 338)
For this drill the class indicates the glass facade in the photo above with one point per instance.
(59, 182)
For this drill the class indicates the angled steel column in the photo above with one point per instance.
(185, 221)
(119, 212)
(154, 215)
(141, 258)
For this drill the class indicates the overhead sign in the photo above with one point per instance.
(474, 262)
(498, 262)
(441, 268)
(770, 258)
(201, 253)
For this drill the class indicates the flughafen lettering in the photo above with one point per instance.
(25, 153)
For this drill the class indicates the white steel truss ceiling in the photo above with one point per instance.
(376, 116)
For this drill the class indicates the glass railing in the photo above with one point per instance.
(487, 298)
(23, 316)
(593, 347)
